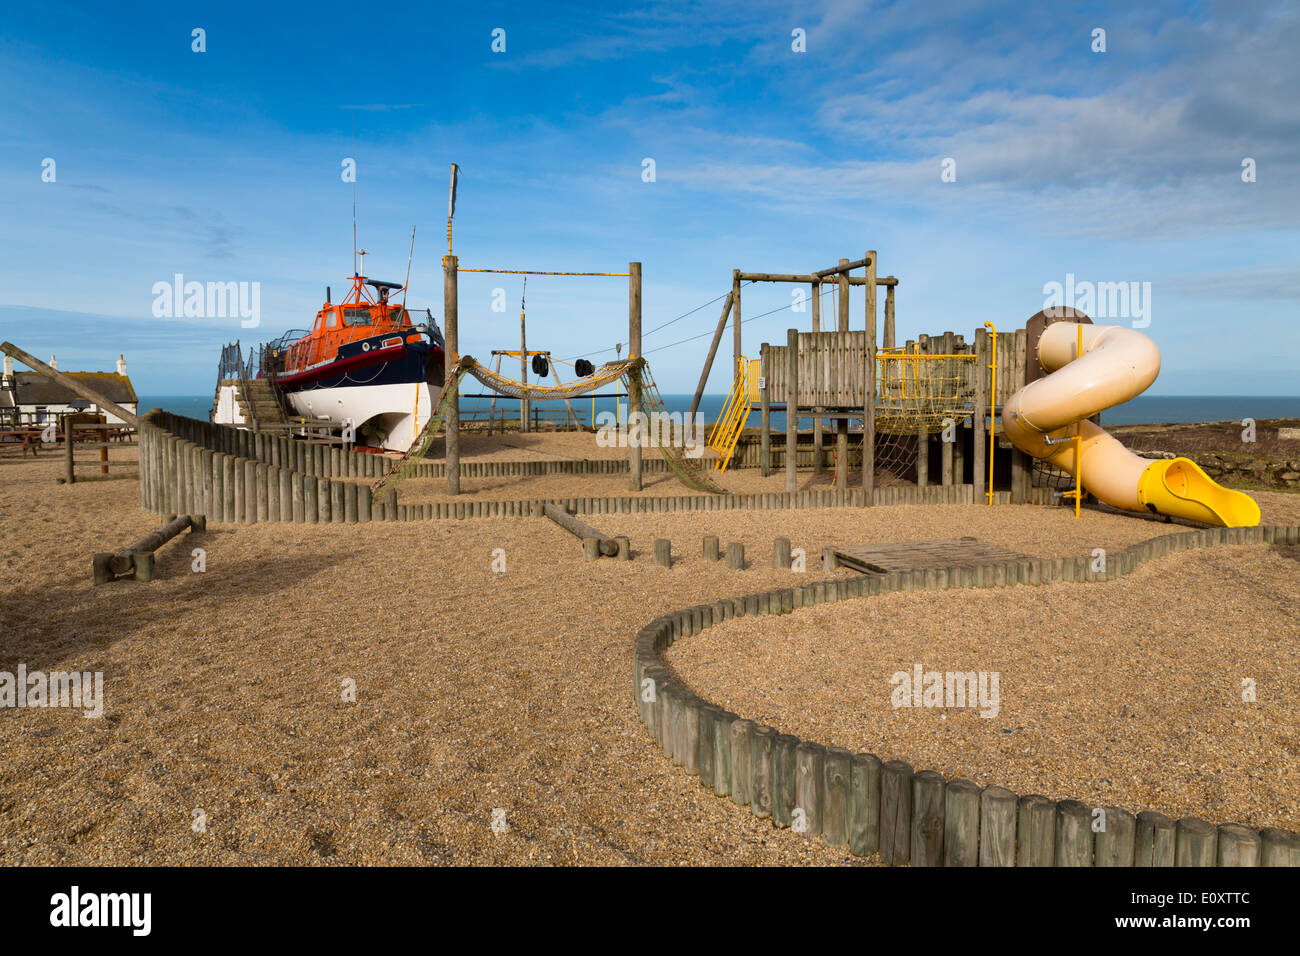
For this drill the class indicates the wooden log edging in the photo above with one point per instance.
(191, 465)
(921, 817)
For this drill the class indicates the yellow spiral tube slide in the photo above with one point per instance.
(1114, 364)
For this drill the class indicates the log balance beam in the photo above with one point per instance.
(602, 545)
(138, 559)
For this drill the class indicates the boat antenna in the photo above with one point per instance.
(408, 267)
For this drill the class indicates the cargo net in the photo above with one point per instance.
(687, 469)
(917, 393)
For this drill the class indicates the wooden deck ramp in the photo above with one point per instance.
(922, 555)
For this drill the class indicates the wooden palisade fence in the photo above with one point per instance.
(870, 806)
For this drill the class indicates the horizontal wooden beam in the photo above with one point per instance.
(808, 279)
(847, 267)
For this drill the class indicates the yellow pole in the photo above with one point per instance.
(993, 399)
(1078, 442)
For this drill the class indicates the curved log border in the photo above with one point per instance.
(869, 806)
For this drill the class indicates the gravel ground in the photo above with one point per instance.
(1127, 693)
(475, 690)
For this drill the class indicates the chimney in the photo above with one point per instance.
(121, 366)
(9, 367)
(54, 363)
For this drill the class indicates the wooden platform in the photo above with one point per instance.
(920, 555)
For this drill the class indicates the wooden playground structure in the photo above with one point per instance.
(928, 407)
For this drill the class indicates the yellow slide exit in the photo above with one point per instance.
(1113, 365)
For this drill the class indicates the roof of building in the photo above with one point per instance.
(33, 388)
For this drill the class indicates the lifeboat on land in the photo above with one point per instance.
(364, 364)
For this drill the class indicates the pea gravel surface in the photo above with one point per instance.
(1171, 689)
(230, 734)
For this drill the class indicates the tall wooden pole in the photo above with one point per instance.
(842, 431)
(735, 326)
(979, 463)
(713, 351)
(451, 339)
(634, 379)
(818, 468)
(869, 384)
(524, 404)
(889, 316)
(791, 409)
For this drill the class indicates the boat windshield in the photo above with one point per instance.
(356, 316)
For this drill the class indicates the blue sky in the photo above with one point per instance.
(1123, 166)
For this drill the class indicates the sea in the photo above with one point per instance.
(1143, 410)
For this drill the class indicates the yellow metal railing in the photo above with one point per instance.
(726, 431)
(755, 373)
(889, 382)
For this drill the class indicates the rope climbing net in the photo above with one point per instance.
(916, 395)
(689, 470)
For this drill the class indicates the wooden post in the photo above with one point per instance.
(869, 383)
(663, 552)
(781, 554)
(1238, 845)
(524, 404)
(742, 761)
(710, 547)
(961, 824)
(634, 379)
(895, 813)
(842, 425)
(997, 827)
(1074, 834)
(784, 779)
(791, 409)
(1195, 843)
(762, 783)
(836, 796)
(818, 467)
(1114, 841)
(713, 351)
(765, 407)
(735, 324)
(810, 785)
(889, 316)
(979, 440)
(1036, 832)
(945, 445)
(927, 819)
(864, 805)
(451, 343)
(735, 556)
(492, 407)
(69, 469)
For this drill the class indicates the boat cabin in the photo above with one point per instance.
(359, 316)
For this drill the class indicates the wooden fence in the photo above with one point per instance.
(235, 476)
(873, 807)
